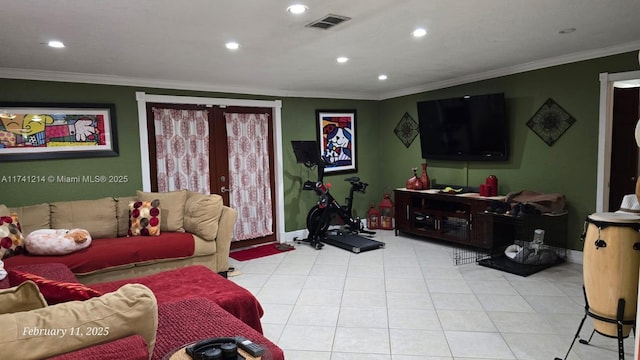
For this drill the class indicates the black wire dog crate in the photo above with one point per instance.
(508, 243)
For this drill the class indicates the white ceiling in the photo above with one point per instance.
(180, 44)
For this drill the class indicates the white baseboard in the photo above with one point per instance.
(296, 234)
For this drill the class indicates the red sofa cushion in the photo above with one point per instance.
(179, 323)
(198, 281)
(130, 348)
(187, 321)
(54, 292)
(105, 253)
(52, 271)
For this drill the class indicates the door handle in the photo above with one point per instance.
(224, 189)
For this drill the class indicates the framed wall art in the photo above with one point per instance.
(30, 131)
(337, 140)
(407, 129)
(550, 122)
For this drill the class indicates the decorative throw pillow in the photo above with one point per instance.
(144, 218)
(56, 241)
(54, 292)
(202, 213)
(3, 272)
(172, 205)
(24, 297)
(10, 236)
(122, 214)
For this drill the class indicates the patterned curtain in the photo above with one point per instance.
(247, 137)
(182, 149)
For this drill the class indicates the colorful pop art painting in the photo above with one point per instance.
(46, 131)
(337, 139)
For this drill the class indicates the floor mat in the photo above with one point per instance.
(260, 251)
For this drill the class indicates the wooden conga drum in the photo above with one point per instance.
(610, 268)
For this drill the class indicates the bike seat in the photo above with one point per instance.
(352, 179)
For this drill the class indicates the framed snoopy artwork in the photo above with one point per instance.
(31, 131)
(337, 140)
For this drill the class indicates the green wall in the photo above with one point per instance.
(298, 123)
(568, 167)
(128, 163)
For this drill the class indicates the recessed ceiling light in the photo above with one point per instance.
(297, 9)
(232, 45)
(342, 59)
(419, 32)
(567, 31)
(55, 44)
(382, 77)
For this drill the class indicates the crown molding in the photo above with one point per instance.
(530, 66)
(45, 75)
(101, 79)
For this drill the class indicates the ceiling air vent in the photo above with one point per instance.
(328, 21)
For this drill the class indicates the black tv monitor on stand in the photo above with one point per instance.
(306, 151)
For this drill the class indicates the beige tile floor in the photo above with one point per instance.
(408, 301)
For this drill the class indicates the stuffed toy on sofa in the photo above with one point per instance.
(57, 241)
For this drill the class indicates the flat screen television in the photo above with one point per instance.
(465, 128)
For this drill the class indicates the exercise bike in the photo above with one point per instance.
(327, 209)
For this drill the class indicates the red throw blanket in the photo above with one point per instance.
(105, 253)
(199, 319)
(186, 311)
(198, 282)
(129, 348)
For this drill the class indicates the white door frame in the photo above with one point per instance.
(605, 129)
(143, 98)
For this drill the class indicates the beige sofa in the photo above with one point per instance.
(204, 217)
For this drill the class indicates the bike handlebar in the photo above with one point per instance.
(355, 181)
(360, 186)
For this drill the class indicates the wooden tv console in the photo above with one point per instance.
(461, 219)
(443, 216)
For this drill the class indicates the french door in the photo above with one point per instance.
(624, 165)
(222, 181)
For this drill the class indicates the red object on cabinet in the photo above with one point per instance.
(373, 218)
(414, 182)
(424, 179)
(386, 213)
(492, 181)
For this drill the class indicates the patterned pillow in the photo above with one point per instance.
(10, 236)
(54, 292)
(144, 218)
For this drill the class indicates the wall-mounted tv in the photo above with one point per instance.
(465, 128)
